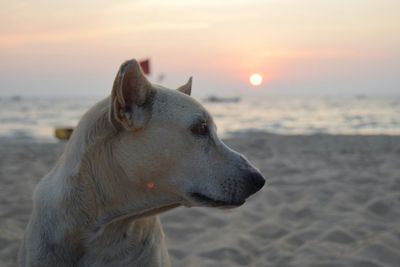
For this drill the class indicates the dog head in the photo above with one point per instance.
(167, 145)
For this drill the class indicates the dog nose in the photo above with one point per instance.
(258, 180)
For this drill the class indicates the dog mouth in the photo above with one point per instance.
(204, 200)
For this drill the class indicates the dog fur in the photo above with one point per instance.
(142, 151)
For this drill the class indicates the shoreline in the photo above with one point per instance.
(227, 136)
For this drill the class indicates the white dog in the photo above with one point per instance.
(144, 150)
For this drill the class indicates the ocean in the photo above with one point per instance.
(35, 118)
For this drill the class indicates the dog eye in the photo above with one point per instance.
(200, 129)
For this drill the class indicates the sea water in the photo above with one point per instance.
(35, 118)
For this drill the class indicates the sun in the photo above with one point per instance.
(255, 79)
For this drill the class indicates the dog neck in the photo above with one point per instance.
(94, 125)
(117, 197)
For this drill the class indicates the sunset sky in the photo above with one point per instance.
(74, 47)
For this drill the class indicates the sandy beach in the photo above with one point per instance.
(331, 201)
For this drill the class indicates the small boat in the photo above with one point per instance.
(216, 99)
(63, 133)
(16, 98)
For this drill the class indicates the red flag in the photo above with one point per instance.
(145, 65)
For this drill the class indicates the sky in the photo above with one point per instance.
(71, 47)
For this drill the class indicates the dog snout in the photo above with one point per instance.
(257, 181)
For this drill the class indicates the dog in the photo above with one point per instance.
(142, 151)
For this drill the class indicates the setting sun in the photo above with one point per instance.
(255, 79)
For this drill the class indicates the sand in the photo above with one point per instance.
(331, 201)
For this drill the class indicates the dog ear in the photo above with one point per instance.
(130, 96)
(187, 88)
